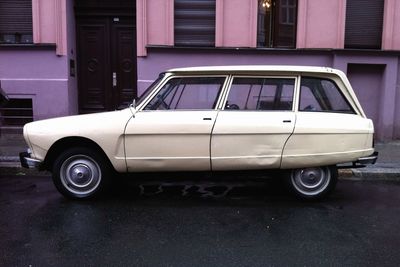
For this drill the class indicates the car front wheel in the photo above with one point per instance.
(80, 173)
(312, 183)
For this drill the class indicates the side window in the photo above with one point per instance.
(322, 95)
(261, 94)
(187, 93)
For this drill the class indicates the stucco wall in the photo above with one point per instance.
(321, 24)
(50, 23)
(366, 81)
(159, 60)
(236, 23)
(396, 133)
(375, 76)
(37, 74)
(154, 24)
(391, 25)
(385, 124)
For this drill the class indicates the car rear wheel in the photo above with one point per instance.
(312, 183)
(81, 173)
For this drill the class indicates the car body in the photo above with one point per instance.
(305, 120)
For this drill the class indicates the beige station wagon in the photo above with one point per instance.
(302, 120)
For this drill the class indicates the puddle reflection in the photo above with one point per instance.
(204, 189)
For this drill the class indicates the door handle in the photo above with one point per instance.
(287, 121)
(206, 119)
(114, 79)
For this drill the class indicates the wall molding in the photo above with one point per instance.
(301, 24)
(219, 23)
(60, 12)
(36, 21)
(169, 17)
(341, 27)
(389, 14)
(253, 24)
(141, 29)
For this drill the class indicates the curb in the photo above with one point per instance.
(377, 174)
(379, 171)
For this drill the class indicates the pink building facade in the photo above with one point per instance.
(318, 33)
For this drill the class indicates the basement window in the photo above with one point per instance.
(16, 112)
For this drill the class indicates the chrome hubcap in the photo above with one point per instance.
(80, 174)
(311, 181)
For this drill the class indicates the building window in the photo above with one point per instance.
(194, 22)
(16, 22)
(277, 21)
(364, 23)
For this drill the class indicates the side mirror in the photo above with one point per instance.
(133, 104)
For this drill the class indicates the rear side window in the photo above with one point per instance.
(261, 94)
(188, 93)
(322, 95)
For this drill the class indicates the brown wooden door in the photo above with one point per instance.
(106, 62)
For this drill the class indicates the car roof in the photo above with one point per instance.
(254, 68)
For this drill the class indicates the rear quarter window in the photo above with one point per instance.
(322, 95)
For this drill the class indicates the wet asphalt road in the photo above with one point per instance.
(195, 223)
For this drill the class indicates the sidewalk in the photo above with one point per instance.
(386, 168)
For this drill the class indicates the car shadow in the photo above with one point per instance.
(201, 188)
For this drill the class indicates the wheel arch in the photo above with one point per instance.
(69, 142)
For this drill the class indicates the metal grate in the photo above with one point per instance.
(364, 23)
(16, 112)
(15, 21)
(194, 22)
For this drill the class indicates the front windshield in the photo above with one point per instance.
(149, 89)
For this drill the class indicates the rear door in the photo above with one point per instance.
(328, 129)
(256, 121)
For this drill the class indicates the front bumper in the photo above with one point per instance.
(28, 162)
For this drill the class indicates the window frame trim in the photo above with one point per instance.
(294, 97)
(170, 76)
(348, 102)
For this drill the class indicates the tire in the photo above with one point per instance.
(81, 173)
(312, 183)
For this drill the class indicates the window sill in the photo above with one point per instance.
(218, 48)
(27, 46)
(272, 50)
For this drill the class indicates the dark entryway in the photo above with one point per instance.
(106, 54)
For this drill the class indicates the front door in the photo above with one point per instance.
(106, 55)
(172, 131)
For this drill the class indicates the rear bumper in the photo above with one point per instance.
(371, 159)
(361, 162)
(28, 162)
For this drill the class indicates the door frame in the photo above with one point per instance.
(92, 10)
